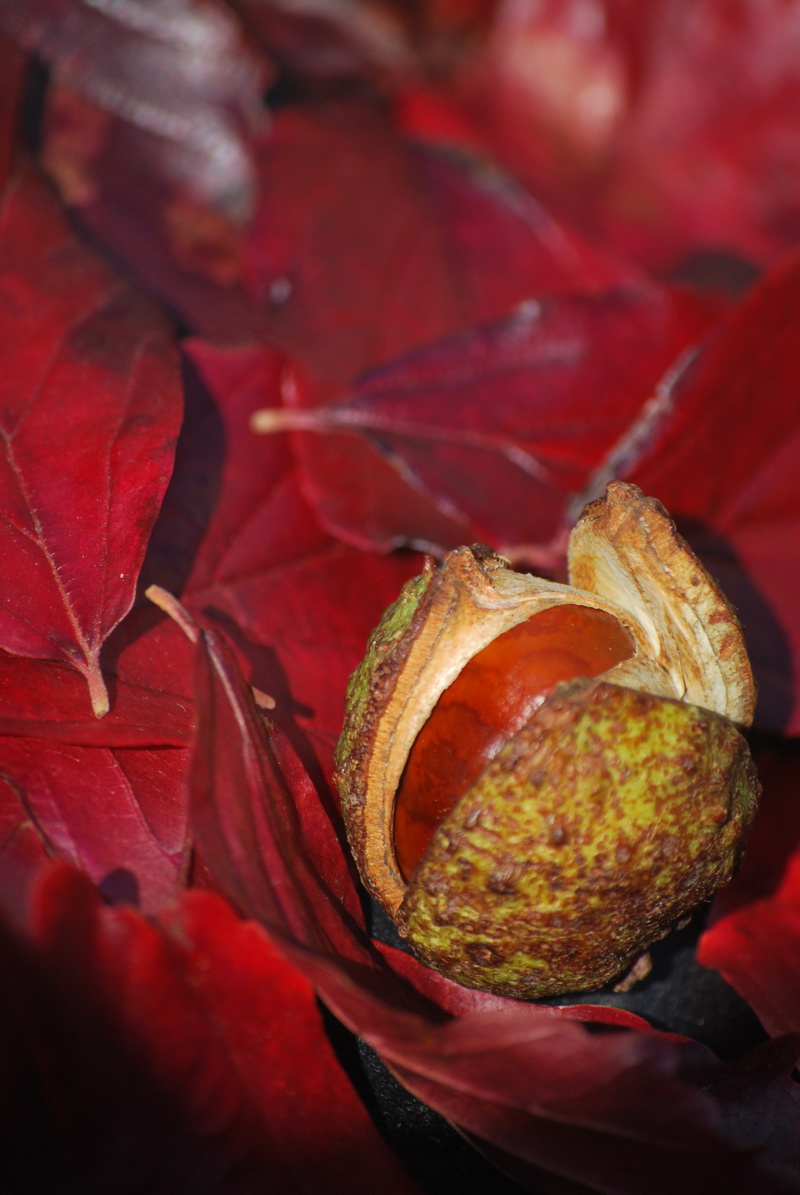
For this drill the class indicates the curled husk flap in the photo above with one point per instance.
(543, 878)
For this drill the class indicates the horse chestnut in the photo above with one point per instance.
(538, 780)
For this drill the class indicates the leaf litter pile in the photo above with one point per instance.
(460, 264)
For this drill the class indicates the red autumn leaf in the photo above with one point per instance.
(363, 248)
(101, 810)
(157, 1056)
(75, 534)
(754, 939)
(331, 42)
(609, 1112)
(177, 83)
(43, 699)
(758, 952)
(234, 508)
(148, 131)
(297, 606)
(775, 837)
(670, 126)
(494, 435)
(263, 852)
(302, 628)
(754, 1088)
(458, 1000)
(719, 168)
(13, 65)
(726, 465)
(22, 854)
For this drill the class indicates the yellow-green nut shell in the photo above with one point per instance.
(611, 815)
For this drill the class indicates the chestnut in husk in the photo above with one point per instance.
(539, 780)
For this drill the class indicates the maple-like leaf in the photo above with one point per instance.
(91, 409)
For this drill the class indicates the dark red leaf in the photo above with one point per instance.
(259, 519)
(757, 1089)
(119, 815)
(13, 66)
(726, 465)
(669, 125)
(331, 42)
(363, 249)
(495, 434)
(302, 629)
(718, 169)
(758, 952)
(297, 606)
(148, 132)
(22, 854)
(458, 1000)
(158, 1056)
(43, 699)
(117, 177)
(176, 84)
(755, 937)
(608, 1111)
(265, 853)
(90, 382)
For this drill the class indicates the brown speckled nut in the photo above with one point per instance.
(619, 806)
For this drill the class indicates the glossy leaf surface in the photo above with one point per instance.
(91, 382)
(493, 435)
